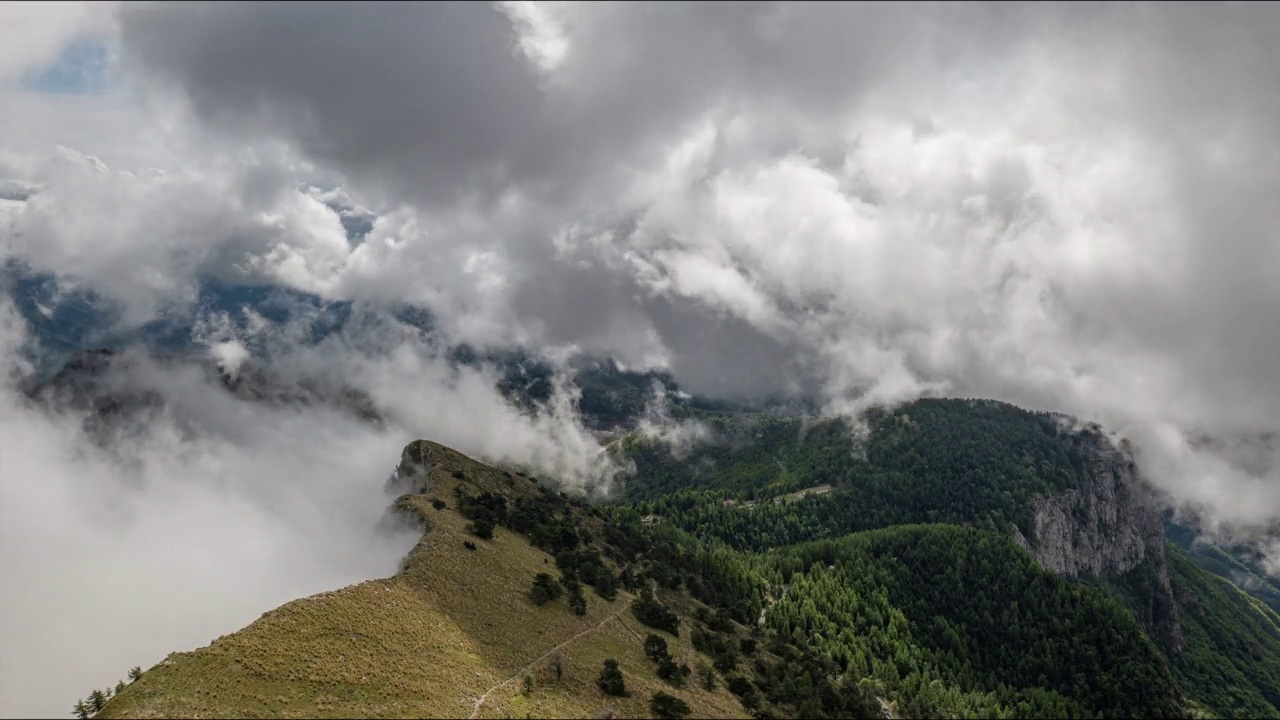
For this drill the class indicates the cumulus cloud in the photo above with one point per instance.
(1061, 206)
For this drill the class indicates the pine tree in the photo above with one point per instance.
(610, 680)
(81, 710)
(97, 700)
(545, 589)
(708, 677)
(134, 673)
(655, 647)
(668, 707)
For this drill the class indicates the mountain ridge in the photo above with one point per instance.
(1098, 556)
(433, 615)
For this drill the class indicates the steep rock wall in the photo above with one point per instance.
(1109, 527)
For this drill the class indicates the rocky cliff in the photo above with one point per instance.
(1109, 527)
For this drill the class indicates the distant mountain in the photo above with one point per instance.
(109, 389)
(65, 323)
(64, 319)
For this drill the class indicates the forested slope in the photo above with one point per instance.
(903, 589)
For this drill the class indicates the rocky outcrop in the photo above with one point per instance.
(1105, 527)
(1109, 527)
(411, 476)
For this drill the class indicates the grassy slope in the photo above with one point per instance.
(1232, 661)
(428, 642)
(1224, 564)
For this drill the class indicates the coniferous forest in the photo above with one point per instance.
(900, 586)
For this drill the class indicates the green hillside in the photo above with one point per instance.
(1232, 662)
(899, 591)
(899, 605)
(951, 461)
(1240, 566)
(455, 626)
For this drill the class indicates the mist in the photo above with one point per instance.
(199, 514)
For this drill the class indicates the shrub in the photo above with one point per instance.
(668, 707)
(655, 647)
(610, 680)
(654, 614)
(545, 589)
(671, 672)
(482, 529)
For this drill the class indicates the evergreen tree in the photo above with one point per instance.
(577, 601)
(545, 589)
(668, 707)
(611, 680)
(671, 672)
(606, 583)
(707, 676)
(655, 647)
(482, 528)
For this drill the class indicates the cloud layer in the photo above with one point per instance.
(1062, 206)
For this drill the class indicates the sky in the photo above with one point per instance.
(1065, 206)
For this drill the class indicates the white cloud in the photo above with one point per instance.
(196, 520)
(541, 32)
(35, 33)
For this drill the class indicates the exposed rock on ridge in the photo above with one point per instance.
(1109, 527)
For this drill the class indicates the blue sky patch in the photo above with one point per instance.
(84, 67)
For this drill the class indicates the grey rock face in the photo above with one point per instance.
(1107, 527)
(1103, 528)
(411, 476)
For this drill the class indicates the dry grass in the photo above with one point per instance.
(425, 643)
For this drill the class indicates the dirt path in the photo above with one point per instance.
(528, 668)
(769, 602)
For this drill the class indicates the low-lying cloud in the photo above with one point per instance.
(116, 556)
(201, 513)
